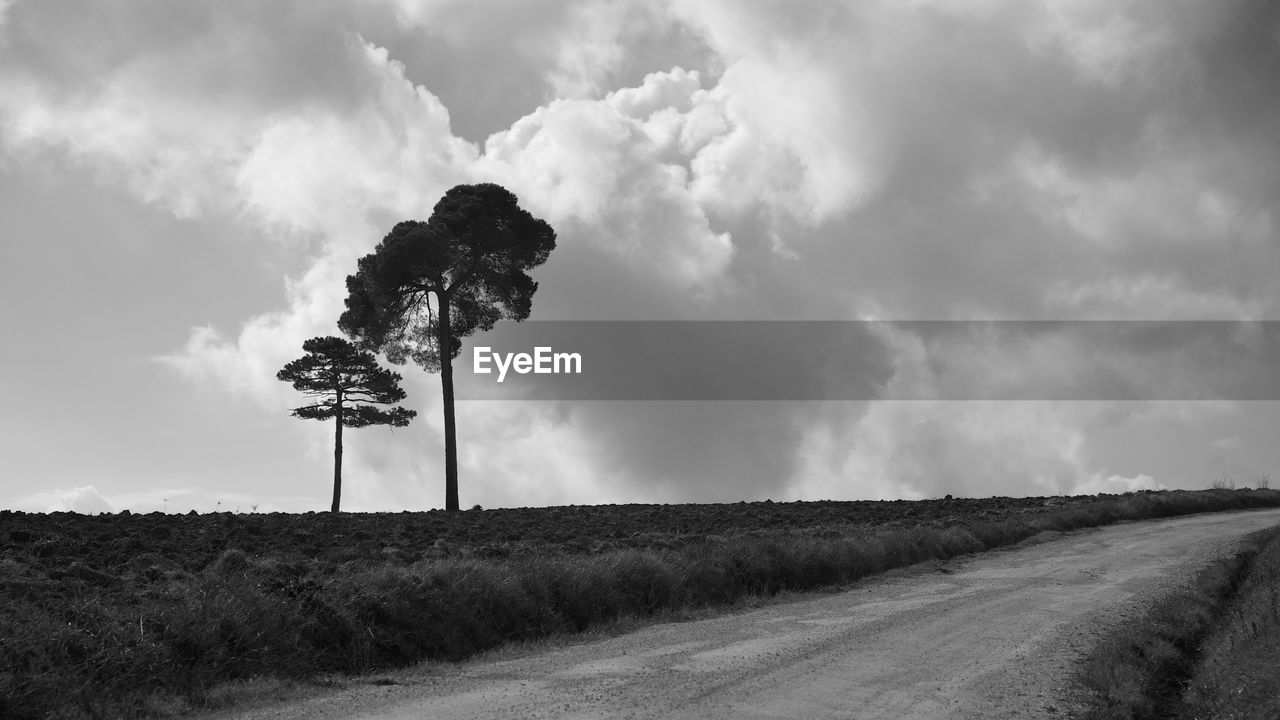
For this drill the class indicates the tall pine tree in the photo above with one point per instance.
(472, 255)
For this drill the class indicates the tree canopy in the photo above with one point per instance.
(474, 250)
(473, 255)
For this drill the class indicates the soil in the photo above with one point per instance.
(127, 545)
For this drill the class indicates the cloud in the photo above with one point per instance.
(523, 472)
(920, 444)
(902, 160)
(86, 500)
(327, 172)
(593, 50)
(930, 449)
(1115, 485)
(612, 173)
(798, 141)
(171, 120)
(1104, 42)
(330, 176)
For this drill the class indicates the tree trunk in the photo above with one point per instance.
(337, 456)
(445, 341)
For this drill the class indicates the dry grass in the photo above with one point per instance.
(1238, 674)
(1208, 650)
(168, 645)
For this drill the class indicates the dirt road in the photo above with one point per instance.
(992, 636)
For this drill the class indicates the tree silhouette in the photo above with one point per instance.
(471, 254)
(343, 379)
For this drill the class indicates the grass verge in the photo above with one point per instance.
(1238, 674)
(167, 645)
(1208, 650)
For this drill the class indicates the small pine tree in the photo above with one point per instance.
(343, 380)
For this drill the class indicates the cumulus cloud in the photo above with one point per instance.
(798, 139)
(86, 500)
(614, 172)
(593, 51)
(1115, 485)
(330, 176)
(326, 172)
(902, 160)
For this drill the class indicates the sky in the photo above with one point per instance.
(184, 187)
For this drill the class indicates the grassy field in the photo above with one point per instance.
(1208, 650)
(85, 638)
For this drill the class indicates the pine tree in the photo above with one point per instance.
(472, 255)
(343, 380)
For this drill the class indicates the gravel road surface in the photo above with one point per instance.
(989, 636)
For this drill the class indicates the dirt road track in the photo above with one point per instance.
(992, 636)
